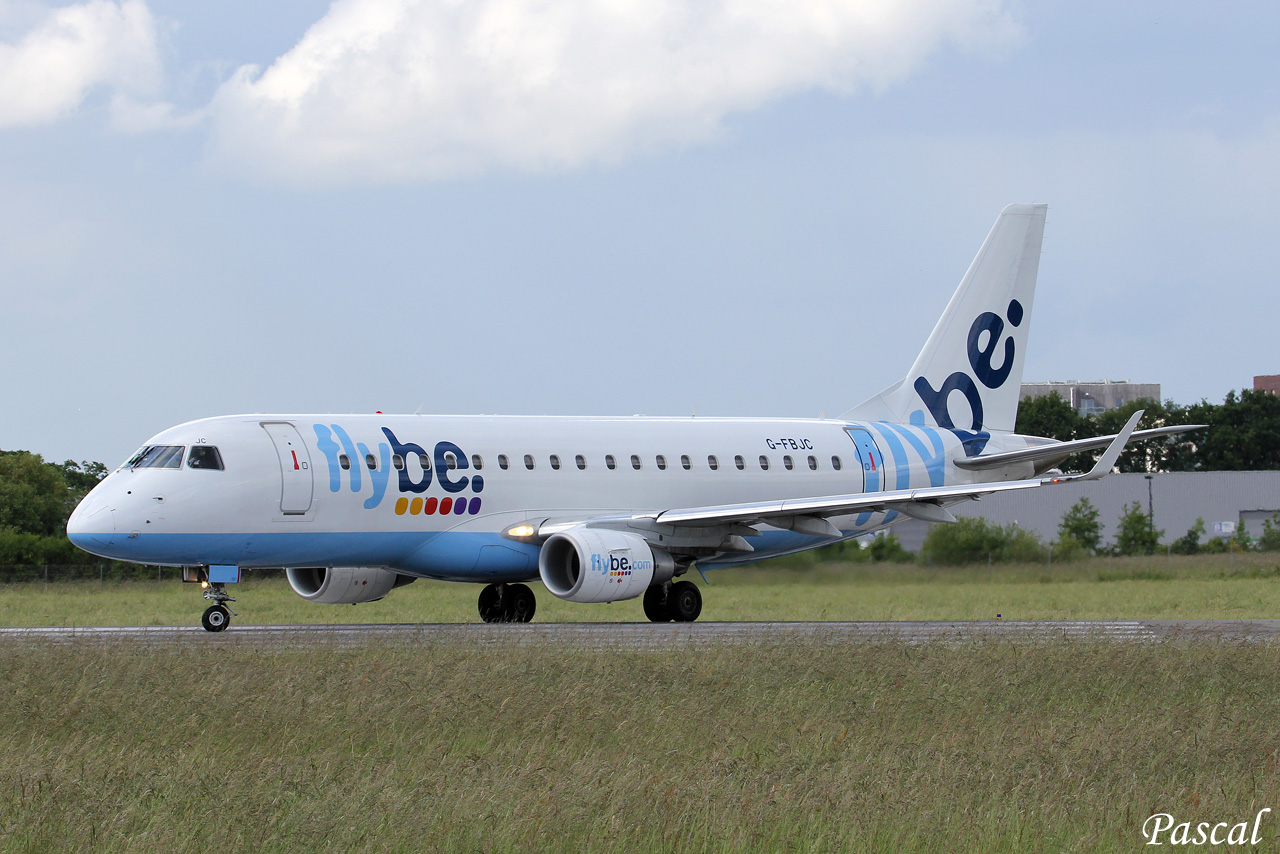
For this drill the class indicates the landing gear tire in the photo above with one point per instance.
(656, 603)
(507, 603)
(491, 603)
(684, 602)
(519, 604)
(215, 619)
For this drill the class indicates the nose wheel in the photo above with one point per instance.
(217, 616)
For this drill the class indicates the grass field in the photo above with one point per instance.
(879, 747)
(1220, 586)
(989, 746)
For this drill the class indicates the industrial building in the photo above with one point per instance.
(1177, 499)
(1096, 397)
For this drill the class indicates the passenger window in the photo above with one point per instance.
(424, 461)
(555, 462)
(397, 462)
(609, 462)
(503, 462)
(451, 460)
(635, 462)
(344, 462)
(371, 461)
(662, 462)
(764, 463)
(787, 463)
(581, 461)
(685, 462)
(528, 461)
(712, 462)
(813, 463)
(477, 462)
(204, 457)
(835, 463)
(739, 462)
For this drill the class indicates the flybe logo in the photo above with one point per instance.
(980, 360)
(354, 461)
(617, 567)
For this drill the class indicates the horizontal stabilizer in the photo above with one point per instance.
(1062, 450)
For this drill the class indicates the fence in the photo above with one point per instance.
(102, 572)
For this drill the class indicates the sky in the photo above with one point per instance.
(611, 206)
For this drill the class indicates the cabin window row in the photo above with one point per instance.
(660, 461)
(610, 462)
(398, 462)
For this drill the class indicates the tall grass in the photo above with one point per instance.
(1064, 746)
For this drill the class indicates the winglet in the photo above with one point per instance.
(1108, 459)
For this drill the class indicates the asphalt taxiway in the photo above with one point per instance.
(659, 636)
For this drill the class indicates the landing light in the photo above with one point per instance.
(204, 584)
(521, 531)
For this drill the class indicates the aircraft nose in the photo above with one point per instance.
(92, 524)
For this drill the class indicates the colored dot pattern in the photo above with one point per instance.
(442, 506)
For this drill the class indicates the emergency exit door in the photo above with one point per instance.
(295, 467)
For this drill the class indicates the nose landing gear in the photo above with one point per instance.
(217, 616)
(213, 580)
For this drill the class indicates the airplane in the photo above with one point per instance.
(599, 509)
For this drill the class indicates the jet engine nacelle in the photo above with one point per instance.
(344, 585)
(600, 565)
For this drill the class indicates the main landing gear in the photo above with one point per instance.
(680, 602)
(507, 603)
(217, 616)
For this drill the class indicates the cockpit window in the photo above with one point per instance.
(204, 457)
(157, 457)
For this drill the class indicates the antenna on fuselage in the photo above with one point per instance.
(418, 411)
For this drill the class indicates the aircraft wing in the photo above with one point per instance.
(810, 515)
(923, 503)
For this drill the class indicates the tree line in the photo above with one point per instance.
(1243, 432)
(36, 498)
(972, 539)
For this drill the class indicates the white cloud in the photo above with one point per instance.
(129, 115)
(69, 51)
(390, 90)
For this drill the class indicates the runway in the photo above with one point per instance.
(659, 636)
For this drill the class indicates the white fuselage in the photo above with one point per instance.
(432, 496)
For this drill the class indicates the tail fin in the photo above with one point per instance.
(978, 346)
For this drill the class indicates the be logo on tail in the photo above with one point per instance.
(981, 355)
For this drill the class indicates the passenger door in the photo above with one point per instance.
(295, 467)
